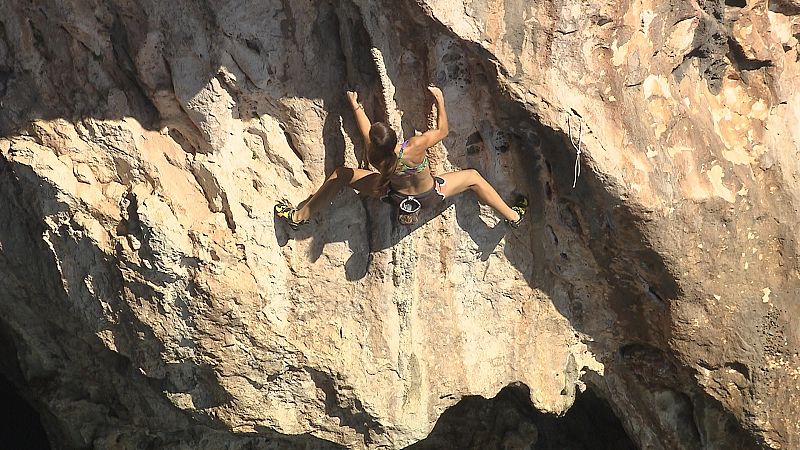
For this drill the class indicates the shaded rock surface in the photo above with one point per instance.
(149, 298)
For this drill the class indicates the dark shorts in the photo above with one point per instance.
(409, 206)
(427, 199)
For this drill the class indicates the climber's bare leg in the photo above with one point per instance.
(360, 179)
(460, 181)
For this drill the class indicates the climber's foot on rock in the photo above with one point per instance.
(520, 207)
(286, 211)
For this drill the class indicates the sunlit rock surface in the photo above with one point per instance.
(148, 296)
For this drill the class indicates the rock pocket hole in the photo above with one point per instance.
(739, 367)
(655, 295)
(552, 235)
(736, 3)
(474, 143)
(291, 144)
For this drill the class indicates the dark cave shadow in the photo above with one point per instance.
(23, 425)
(510, 421)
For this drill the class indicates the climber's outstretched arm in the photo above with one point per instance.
(431, 137)
(362, 121)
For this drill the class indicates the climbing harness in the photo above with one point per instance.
(577, 170)
(409, 206)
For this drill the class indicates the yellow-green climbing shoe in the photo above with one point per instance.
(521, 207)
(285, 211)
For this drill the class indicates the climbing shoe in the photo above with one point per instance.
(285, 211)
(521, 207)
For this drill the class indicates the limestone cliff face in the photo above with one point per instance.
(150, 298)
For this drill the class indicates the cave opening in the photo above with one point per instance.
(21, 426)
(589, 424)
(510, 421)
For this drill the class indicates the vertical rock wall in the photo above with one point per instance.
(151, 298)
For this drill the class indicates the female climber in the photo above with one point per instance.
(403, 177)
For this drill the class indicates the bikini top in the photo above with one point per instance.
(404, 169)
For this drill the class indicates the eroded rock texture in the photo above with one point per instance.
(150, 299)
